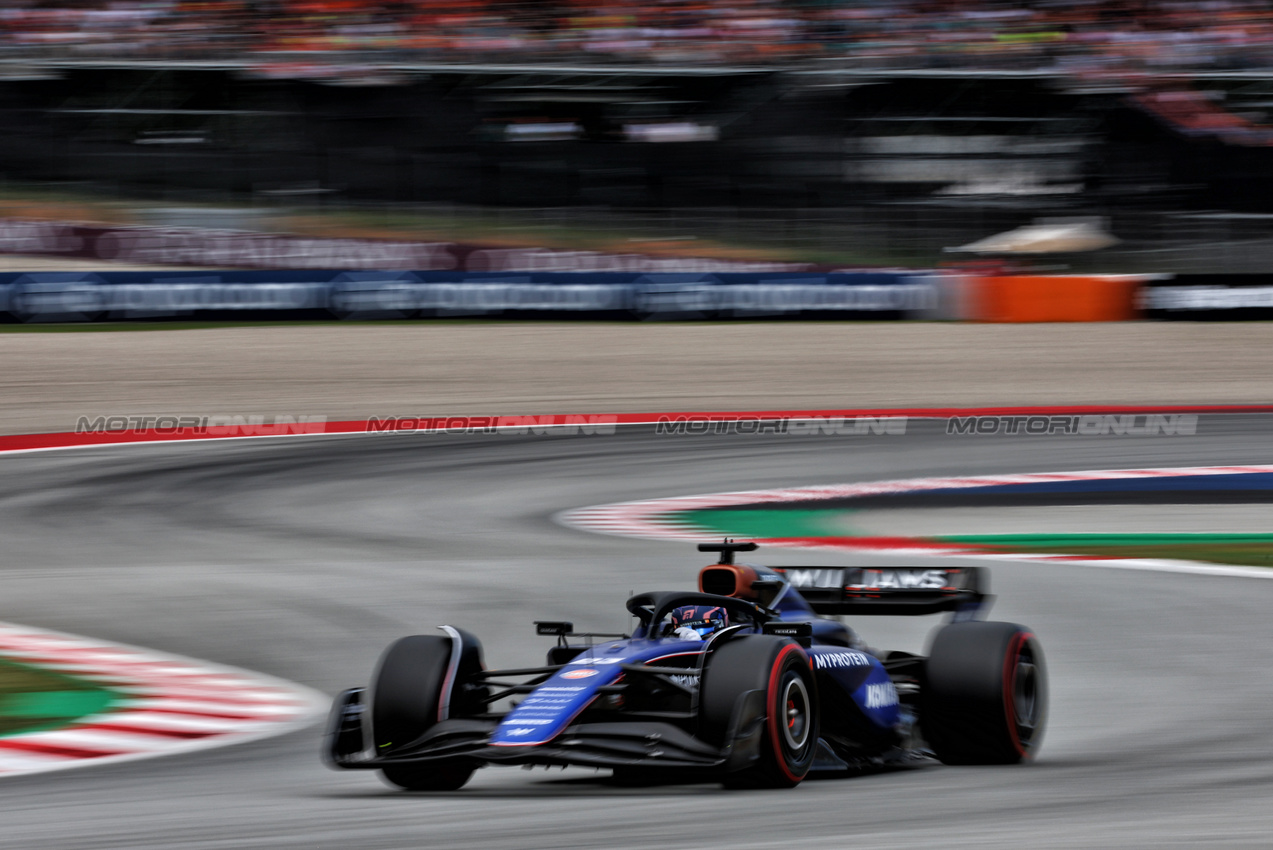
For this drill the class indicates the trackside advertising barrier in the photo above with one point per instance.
(1209, 297)
(82, 297)
(1052, 298)
(893, 295)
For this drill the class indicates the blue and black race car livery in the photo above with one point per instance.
(752, 680)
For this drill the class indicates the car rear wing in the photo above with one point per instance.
(891, 590)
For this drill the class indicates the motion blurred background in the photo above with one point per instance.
(841, 132)
(760, 136)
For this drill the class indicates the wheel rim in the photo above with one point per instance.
(796, 718)
(1025, 696)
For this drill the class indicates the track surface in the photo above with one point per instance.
(303, 558)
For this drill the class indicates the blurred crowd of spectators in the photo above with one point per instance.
(1065, 35)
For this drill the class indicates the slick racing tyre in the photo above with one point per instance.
(786, 707)
(985, 694)
(406, 695)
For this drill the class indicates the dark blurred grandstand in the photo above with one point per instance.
(290, 36)
(933, 115)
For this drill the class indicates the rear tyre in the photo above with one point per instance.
(779, 668)
(985, 694)
(406, 695)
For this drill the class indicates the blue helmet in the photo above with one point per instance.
(703, 619)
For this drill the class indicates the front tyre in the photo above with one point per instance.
(443, 776)
(985, 694)
(406, 701)
(767, 681)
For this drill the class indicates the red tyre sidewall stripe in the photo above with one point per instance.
(1010, 689)
(774, 720)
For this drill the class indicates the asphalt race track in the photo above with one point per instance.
(303, 558)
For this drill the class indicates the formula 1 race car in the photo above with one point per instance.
(740, 682)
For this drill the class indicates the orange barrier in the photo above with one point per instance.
(1053, 298)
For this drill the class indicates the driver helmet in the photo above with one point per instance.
(701, 620)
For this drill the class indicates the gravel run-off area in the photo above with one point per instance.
(350, 371)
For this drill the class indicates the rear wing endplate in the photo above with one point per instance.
(892, 590)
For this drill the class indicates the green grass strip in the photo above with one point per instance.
(1094, 539)
(768, 523)
(1247, 550)
(33, 698)
(1251, 550)
(1242, 556)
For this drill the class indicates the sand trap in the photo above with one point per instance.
(433, 368)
